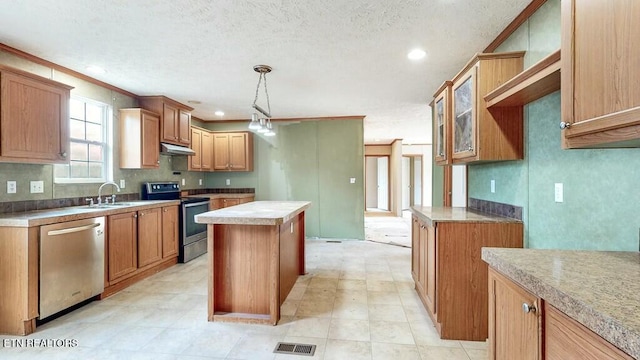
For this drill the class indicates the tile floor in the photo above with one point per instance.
(356, 302)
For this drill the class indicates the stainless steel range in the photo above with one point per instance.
(193, 236)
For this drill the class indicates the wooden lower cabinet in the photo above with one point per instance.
(513, 332)
(450, 276)
(525, 327)
(219, 203)
(149, 236)
(170, 231)
(122, 230)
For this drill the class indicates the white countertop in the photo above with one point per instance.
(255, 213)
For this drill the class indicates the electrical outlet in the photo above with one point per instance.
(493, 186)
(228, 182)
(122, 184)
(559, 193)
(11, 187)
(183, 182)
(199, 181)
(37, 187)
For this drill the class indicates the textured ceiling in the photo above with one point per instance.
(329, 58)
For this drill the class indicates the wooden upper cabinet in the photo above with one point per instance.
(34, 118)
(600, 70)
(175, 119)
(195, 160)
(207, 151)
(139, 134)
(233, 151)
(478, 134)
(442, 124)
(149, 236)
(515, 325)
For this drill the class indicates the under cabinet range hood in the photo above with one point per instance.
(171, 149)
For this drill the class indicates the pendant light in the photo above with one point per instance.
(262, 124)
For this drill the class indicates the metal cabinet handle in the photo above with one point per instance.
(528, 308)
(135, 215)
(63, 154)
(141, 214)
(564, 125)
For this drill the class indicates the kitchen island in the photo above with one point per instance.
(255, 253)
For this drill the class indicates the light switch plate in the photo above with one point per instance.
(11, 187)
(493, 186)
(228, 182)
(183, 182)
(37, 187)
(559, 193)
(352, 180)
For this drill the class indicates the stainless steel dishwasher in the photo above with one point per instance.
(71, 263)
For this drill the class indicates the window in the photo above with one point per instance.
(90, 143)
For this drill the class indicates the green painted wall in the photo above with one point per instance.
(312, 161)
(601, 196)
(24, 173)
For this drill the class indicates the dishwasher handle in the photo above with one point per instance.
(73, 229)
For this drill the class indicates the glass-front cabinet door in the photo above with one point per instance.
(441, 123)
(464, 115)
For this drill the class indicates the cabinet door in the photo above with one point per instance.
(206, 147)
(415, 248)
(247, 199)
(422, 259)
(149, 236)
(513, 332)
(220, 151)
(442, 122)
(34, 118)
(431, 270)
(565, 338)
(170, 127)
(150, 145)
(122, 245)
(238, 151)
(184, 127)
(195, 161)
(599, 77)
(464, 115)
(230, 202)
(169, 231)
(215, 204)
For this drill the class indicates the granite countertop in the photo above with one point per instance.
(456, 214)
(224, 196)
(255, 213)
(52, 216)
(599, 289)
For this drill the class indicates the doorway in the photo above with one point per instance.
(411, 181)
(377, 184)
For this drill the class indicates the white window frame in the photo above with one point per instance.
(107, 140)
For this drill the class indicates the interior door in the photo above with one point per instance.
(406, 182)
(371, 168)
(383, 183)
(417, 180)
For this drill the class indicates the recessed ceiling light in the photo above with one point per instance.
(219, 113)
(416, 54)
(95, 69)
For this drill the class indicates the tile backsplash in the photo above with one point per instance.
(495, 208)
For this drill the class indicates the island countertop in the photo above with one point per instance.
(599, 289)
(456, 214)
(255, 213)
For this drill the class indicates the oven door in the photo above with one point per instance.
(192, 231)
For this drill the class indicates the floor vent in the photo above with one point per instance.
(334, 241)
(295, 349)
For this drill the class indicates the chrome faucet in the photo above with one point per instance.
(113, 197)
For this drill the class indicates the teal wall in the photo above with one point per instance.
(601, 196)
(311, 161)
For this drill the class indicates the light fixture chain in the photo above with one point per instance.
(266, 92)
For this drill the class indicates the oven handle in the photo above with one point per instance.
(196, 204)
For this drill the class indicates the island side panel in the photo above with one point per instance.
(242, 269)
(290, 250)
(18, 280)
(462, 276)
